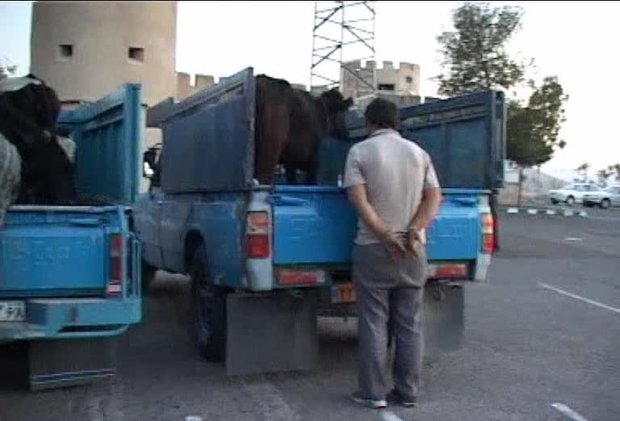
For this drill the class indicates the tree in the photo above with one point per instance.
(474, 53)
(475, 59)
(582, 170)
(614, 169)
(603, 175)
(533, 129)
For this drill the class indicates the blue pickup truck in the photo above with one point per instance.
(70, 275)
(267, 260)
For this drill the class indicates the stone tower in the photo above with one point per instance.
(85, 50)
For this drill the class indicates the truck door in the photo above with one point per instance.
(148, 216)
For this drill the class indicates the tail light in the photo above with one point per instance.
(114, 287)
(488, 236)
(257, 235)
(447, 271)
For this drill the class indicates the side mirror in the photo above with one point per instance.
(148, 162)
(147, 171)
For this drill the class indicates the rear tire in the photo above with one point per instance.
(208, 311)
(554, 201)
(570, 200)
(605, 204)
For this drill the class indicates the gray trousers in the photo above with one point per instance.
(388, 291)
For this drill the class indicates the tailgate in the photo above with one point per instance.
(52, 251)
(312, 225)
(456, 233)
(317, 225)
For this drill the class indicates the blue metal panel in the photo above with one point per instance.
(465, 137)
(455, 234)
(59, 318)
(221, 222)
(108, 136)
(317, 225)
(312, 225)
(56, 251)
(209, 138)
(203, 151)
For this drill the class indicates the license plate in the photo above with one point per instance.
(343, 293)
(12, 311)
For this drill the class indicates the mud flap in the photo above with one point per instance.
(69, 362)
(271, 332)
(443, 316)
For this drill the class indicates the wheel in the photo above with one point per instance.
(208, 311)
(570, 200)
(554, 201)
(605, 203)
(148, 274)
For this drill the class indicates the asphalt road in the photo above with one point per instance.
(544, 331)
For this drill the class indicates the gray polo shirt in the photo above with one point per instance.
(395, 171)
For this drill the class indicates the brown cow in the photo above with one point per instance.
(290, 124)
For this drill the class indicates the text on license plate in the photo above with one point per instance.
(12, 311)
(343, 293)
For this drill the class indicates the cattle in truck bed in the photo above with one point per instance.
(10, 175)
(290, 124)
(29, 110)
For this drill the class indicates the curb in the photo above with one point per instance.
(562, 212)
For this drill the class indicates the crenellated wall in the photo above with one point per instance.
(404, 79)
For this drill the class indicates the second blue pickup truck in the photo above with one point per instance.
(70, 275)
(266, 260)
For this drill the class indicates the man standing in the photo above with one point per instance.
(392, 184)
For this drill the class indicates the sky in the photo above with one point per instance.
(577, 41)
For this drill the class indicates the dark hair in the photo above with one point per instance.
(382, 113)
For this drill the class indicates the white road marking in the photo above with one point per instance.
(550, 212)
(579, 297)
(532, 211)
(390, 416)
(564, 409)
(269, 401)
(573, 239)
(193, 418)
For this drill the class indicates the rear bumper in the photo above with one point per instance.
(73, 318)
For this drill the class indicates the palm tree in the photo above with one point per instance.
(582, 170)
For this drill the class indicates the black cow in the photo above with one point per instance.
(28, 120)
(290, 124)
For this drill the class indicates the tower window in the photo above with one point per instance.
(136, 54)
(408, 79)
(65, 51)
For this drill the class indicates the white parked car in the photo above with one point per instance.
(586, 193)
(614, 194)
